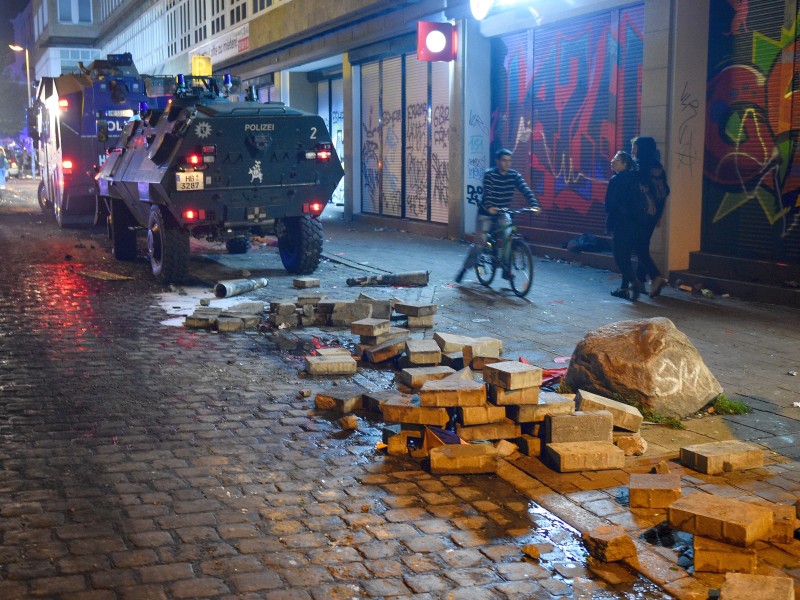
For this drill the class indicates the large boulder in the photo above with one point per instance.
(647, 362)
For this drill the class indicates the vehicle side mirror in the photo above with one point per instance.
(102, 131)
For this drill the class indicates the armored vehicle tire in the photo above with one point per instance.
(44, 203)
(300, 243)
(121, 231)
(238, 245)
(168, 248)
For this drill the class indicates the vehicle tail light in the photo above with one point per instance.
(201, 157)
(63, 104)
(193, 159)
(314, 208)
(191, 214)
(66, 165)
(321, 152)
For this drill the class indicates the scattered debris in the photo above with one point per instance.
(306, 282)
(234, 287)
(104, 275)
(413, 279)
(349, 422)
(609, 543)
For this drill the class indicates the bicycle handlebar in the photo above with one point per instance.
(516, 211)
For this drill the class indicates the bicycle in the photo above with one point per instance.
(516, 259)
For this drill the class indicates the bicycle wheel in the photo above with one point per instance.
(486, 266)
(521, 267)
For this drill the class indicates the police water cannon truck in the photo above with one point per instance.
(217, 169)
(72, 122)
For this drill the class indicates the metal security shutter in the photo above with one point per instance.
(416, 139)
(392, 136)
(565, 97)
(573, 109)
(512, 107)
(337, 131)
(370, 138)
(440, 140)
(628, 85)
(750, 207)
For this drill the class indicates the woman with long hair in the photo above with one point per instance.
(653, 178)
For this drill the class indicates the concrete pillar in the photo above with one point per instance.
(470, 117)
(351, 84)
(674, 78)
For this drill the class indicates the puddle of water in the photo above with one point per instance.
(569, 559)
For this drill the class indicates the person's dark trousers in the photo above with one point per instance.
(623, 242)
(645, 267)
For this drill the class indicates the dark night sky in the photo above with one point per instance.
(8, 10)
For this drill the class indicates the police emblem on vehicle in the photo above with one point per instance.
(202, 130)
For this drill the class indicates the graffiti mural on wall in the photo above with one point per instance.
(565, 99)
(751, 171)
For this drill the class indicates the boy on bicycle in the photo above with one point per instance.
(498, 192)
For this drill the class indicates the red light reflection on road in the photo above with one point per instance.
(61, 300)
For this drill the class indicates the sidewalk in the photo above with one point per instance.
(751, 348)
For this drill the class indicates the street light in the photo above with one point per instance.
(28, 77)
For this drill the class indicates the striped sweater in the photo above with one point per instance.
(498, 190)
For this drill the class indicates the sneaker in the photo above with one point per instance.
(621, 293)
(656, 286)
(460, 275)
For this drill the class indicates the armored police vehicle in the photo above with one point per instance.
(213, 168)
(71, 122)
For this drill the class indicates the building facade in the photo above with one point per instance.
(562, 84)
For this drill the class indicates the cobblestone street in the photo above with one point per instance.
(140, 460)
(144, 461)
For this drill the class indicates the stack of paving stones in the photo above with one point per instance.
(728, 533)
(418, 314)
(497, 407)
(241, 316)
(311, 309)
(378, 340)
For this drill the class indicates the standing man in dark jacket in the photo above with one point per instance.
(499, 184)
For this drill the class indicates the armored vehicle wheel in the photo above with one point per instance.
(168, 248)
(44, 203)
(238, 245)
(300, 243)
(121, 231)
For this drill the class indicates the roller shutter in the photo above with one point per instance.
(392, 136)
(371, 139)
(750, 175)
(417, 139)
(565, 98)
(440, 140)
(405, 153)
